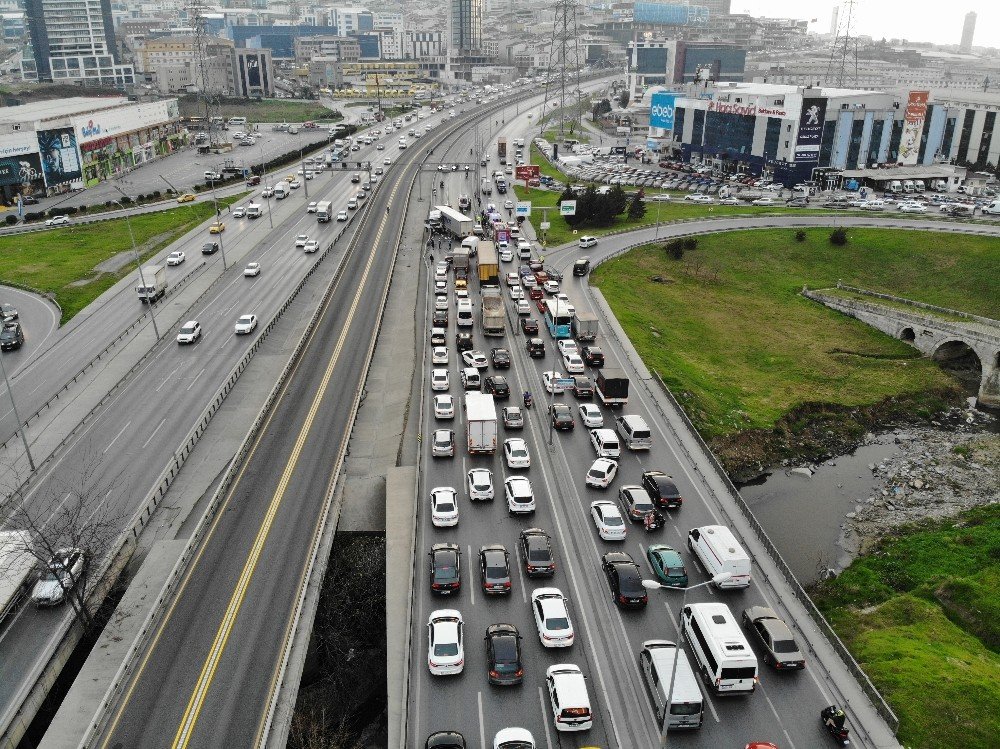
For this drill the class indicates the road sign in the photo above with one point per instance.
(522, 208)
(567, 208)
(545, 225)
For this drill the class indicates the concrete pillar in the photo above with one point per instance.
(989, 390)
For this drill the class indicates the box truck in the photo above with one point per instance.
(153, 284)
(493, 316)
(481, 423)
(324, 211)
(585, 326)
(612, 386)
(18, 565)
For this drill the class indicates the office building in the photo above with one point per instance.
(73, 41)
(668, 63)
(465, 20)
(968, 31)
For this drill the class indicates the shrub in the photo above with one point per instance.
(675, 248)
(690, 243)
(156, 193)
(70, 210)
(34, 215)
(57, 211)
(107, 203)
(11, 219)
(126, 200)
(838, 237)
(800, 236)
(139, 198)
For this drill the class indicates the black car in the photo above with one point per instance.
(535, 348)
(624, 580)
(581, 267)
(500, 358)
(11, 337)
(536, 552)
(593, 356)
(562, 416)
(463, 342)
(446, 568)
(445, 740)
(529, 326)
(554, 275)
(583, 387)
(494, 568)
(209, 248)
(9, 312)
(440, 318)
(662, 489)
(775, 637)
(503, 655)
(497, 386)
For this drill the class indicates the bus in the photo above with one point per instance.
(559, 318)
(723, 654)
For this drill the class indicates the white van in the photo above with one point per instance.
(463, 316)
(719, 552)
(721, 651)
(634, 432)
(656, 663)
(254, 210)
(605, 443)
(992, 209)
(586, 241)
(568, 697)
(237, 121)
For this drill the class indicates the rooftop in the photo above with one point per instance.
(47, 110)
(917, 171)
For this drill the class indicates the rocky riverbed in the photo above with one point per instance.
(939, 470)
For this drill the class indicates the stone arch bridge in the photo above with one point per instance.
(940, 333)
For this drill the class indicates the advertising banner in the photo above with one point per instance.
(661, 110)
(618, 150)
(20, 170)
(60, 157)
(527, 171)
(810, 135)
(567, 208)
(112, 122)
(916, 111)
(18, 144)
(522, 208)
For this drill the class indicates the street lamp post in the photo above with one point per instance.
(653, 585)
(17, 417)
(138, 264)
(263, 177)
(218, 220)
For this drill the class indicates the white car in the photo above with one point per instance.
(444, 507)
(440, 302)
(699, 198)
(239, 212)
(440, 379)
(551, 287)
(551, 382)
(506, 255)
(514, 738)
(462, 295)
(475, 359)
(444, 407)
(176, 258)
(58, 577)
(516, 293)
(587, 241)
(445, 649)
(311, 208)
(567, 346)
(252, 269)
(764, 201)
(480, 483)
(387, 161)
(509, 205)
(591, 416)
(189, 332)
(57, 221)
(246, 324)
(520, 497)
(523, 308)
(912, 208)
(555, 629)
(608, 520)
(342, 216)
(573, 363)
(300, 240)
(311, 246)
(295, 184)
(515, 452)
(602, 473)
(441, 272)
(439, 355)
(513, 281)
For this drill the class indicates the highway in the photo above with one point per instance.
(133, 437)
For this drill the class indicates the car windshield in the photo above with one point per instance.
(784, 646)
(597, 473)
(187, 329)
(518, 452)
(49, 577)
(505, 649)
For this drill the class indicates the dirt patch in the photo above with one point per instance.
(111, 265)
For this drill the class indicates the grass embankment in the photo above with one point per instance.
(922, 616)
(268, 110)
(63, 261)
(732, 338)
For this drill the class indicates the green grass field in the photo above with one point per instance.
(268, 110)
(57, 260)
(921, 613)
(740, 348)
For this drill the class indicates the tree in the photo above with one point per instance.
(618, 201)
(838, 237)
(637, 207)
(675, 248)
(586, 206)
(78, 508)
(602, 107)
(623, 99)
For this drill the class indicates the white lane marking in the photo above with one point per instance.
(195, 379)
(482, 726)
(545, 719)
(112, 442)
(64, 500)
(167, 378)
(153, 433)
(777, 717)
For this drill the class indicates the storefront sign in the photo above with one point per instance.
(125, 119)
(18, 144)
(661, 110)
(60, 157)
(749, 109)
(810, 135)
(916, 111)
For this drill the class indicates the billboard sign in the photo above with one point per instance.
(567, 208)
(20, 170)
(661, 110)
(522, 208)
(527, 171)
(913, 125)
(18, 144)
(114, 122)
(60, 156)
(810, 135)
(618, 150)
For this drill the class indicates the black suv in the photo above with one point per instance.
(593, 356)
(497, 386)
(11, 336)
(463, 342)
(440, 318)
(500, 357)
(446, 568)
(583, 387)
(503, 655)
(535, 348)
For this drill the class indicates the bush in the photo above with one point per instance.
(675, 248)
(800, 236)
(11, 219)
(838, 237)
(690, 243)
(34, 215)
(107, 204)
(139, 198)
(70, 210)
(126, 200)
(57, 211)
(156, 194)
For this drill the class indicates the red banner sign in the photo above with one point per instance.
(527, 171)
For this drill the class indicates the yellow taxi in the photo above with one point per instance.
(217, 228)
(185, 198)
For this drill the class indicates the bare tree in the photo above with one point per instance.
(314, 728)
(73, 517)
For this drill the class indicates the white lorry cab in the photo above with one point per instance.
(281, 191)
(722, 653)
(721, 554)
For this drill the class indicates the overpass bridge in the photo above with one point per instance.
(941, 333)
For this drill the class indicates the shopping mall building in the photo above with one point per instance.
(54, 146)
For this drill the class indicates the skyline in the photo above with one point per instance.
(918, 21)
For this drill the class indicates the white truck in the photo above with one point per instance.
(281, 190)
(481, 423)
(585, 326)
(254, 210)
(493, 316)
(18, 566)
(324, 211)
(153, 284)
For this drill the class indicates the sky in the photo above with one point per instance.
(915, 20)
